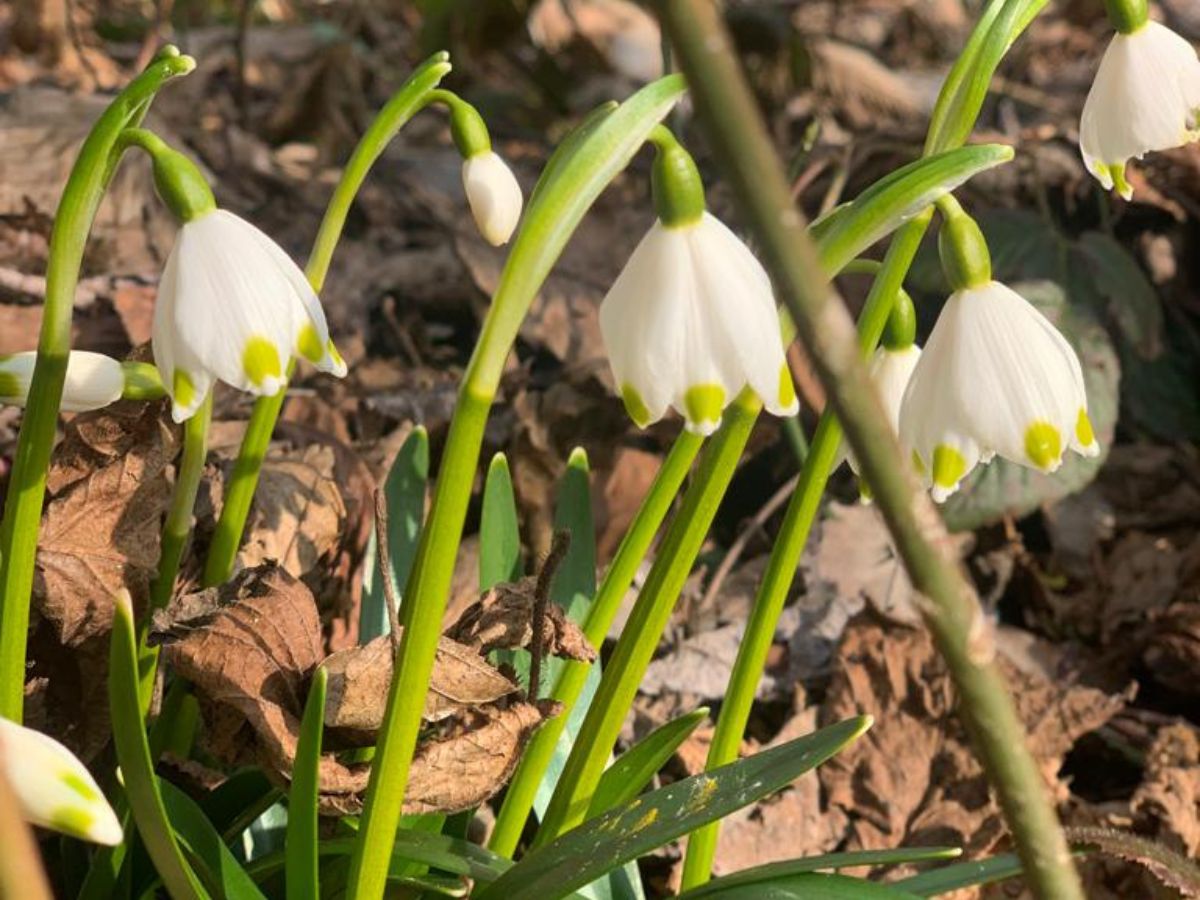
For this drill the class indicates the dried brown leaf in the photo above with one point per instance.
(500, 620)
(1167, 803)
(359, 678)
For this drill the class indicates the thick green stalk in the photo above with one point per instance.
(27, 484)
(951, 609)
(174, 537)
(639, 638)
(535, 760)
(789, 545)
(243, 480)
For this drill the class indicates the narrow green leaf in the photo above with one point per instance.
(214, 862)
(632, 771)
(779, 870)
(133, 756)
(404, 490)
(971, 873)
(813, 887)
(301, 876)
(601, 844)
(499, 531)
(575, 584)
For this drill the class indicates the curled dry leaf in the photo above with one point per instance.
(109, 488)
(501, 620)
(359, 678)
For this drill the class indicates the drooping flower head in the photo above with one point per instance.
(995, 377)
(1146, 97)
(93, 380)
(232, 306)
(691, 320)
(493, 193)
(53, 788)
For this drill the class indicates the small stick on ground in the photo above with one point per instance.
(384, 555)
(541, 596)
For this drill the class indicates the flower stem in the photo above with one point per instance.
(523, 788)
(785, 553)
(741, 142)
(639, 637)
(81, 197)
(243, 480)
(174, 538)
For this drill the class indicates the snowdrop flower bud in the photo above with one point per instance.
(691, 320)
(1146, 97)
(93, 380)
(995, 377)
(493, 195)
(53, 788)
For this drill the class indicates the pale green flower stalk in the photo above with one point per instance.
(81, 197)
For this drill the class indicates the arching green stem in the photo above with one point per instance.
(81, 197)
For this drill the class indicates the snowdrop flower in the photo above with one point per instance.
(890, 369)
(995, 376)
(93, 380)
(1146, 97)
(53, 788)
(691, 320)
(493, 195)
(233, 307)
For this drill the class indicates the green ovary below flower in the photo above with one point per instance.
(1145, 98)
(995, 378)
(690, 322)
(53, 788)
(93, 380)
(233, 307)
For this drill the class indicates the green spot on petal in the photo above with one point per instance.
(704, 402)
(949, 466)
(72, 820)
(635, 405)
(787, 388)
(10, 387)
(80, 787)
(260, 361)
(1083, 429)
(1117, 171)
(1043, 445)
(333, 353)
(183, 389)
(308, 344)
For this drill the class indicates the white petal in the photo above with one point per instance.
(891, 371)
(1144, 98)
(493, 195)
(53, 788)
(93, 380)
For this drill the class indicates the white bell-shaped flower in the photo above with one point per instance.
(93, 380)
(493, 195)
(891, 371)
(1146, 97)
(233, 307)
(995, 378)
(53, 788)
(690, 322)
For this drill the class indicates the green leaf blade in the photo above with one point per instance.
(301, 873)
(499, 528)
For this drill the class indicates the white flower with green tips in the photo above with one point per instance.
(890, 370)
(233, 307)
(690, 322)
(53, 788)
(995, 378)
(93, 380)
(493, 195)
(1146, 97)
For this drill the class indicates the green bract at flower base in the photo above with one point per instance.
(85, 186)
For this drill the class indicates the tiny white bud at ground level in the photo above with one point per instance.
(995, 378)
(1146, 97)
(233, 307)
(690, 322)
(93, 380)
(493, 195)
(53, 788)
